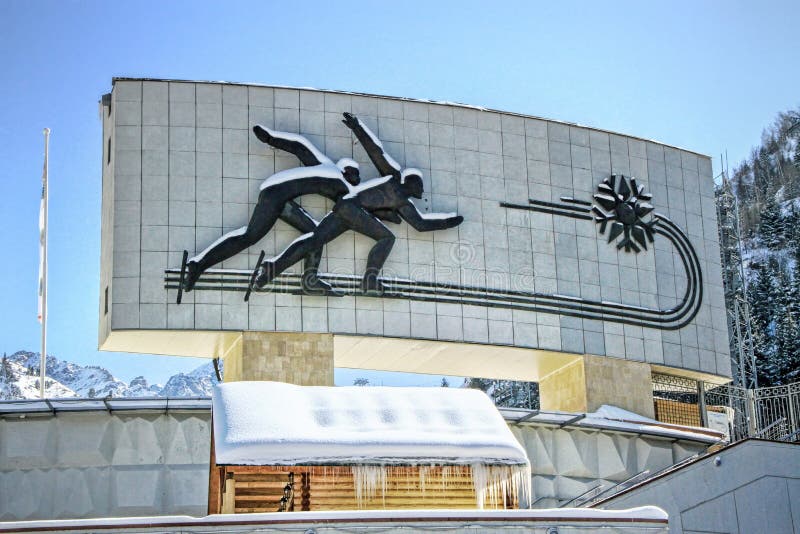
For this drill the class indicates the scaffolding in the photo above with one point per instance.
(743, 360)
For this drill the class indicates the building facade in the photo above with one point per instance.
(584, 257)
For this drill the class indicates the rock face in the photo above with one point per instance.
(19, 379)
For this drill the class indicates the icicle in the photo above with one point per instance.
(367, 479)
(493, 483)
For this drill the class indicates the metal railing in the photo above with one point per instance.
(768, 413)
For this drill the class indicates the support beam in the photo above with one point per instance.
(592, 381)
(295, 358)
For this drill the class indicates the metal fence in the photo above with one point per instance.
(676, 400)
(769, 413)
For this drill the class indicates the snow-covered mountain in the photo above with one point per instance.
(19, 379)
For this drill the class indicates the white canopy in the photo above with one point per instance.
(272, 423)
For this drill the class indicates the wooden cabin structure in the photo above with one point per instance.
(252, 489)
(360, 448)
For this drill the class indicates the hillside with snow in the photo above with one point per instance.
(19, 379)
(766, 187)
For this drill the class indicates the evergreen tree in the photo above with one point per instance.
(772, 224)
(762, 296)
(762, 311)
(791, 229)
(508, 393)
(8, 387)
(785, 339)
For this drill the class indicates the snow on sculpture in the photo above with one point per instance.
(358, 207)
(276, 200)
(389, 196)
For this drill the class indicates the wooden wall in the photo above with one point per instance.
(248, 489)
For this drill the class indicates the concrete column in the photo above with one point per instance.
(295, 358)
(587, 384)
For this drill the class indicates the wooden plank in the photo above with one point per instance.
(264, 498)
(214, 479)
(229, 496)
(259, 488)
(276, 486)
(305, 492)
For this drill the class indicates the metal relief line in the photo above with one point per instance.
(575, 307)
(622, 203)
(516, 300)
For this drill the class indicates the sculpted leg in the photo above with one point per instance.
(361, 221)
(294, 215)
(329, 228)
(263, 218)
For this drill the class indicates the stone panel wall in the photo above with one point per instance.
(96, 464)
(566, 462)
(187, 168)
(100, 465)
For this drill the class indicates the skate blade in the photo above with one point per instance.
(183, 275)
(253, 276)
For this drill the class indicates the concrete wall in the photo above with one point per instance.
(187, 168)
(107, 222)
(755, 488)
(94, 464)
(566, 462)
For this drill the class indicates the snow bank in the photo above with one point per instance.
(272, 423)
(587, 516)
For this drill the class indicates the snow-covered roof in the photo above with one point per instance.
(609, 417)
(272, 423)
(136, 404)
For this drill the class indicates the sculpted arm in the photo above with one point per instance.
(385, 164)
(296, 144)
(426, 222)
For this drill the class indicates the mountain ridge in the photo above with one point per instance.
(19, 379)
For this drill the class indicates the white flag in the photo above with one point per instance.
(42, 237)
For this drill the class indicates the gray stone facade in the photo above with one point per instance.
(96, 464)
(156, 462)
(751, 486)
(185, 168)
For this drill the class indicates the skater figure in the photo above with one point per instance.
(389, 195)
(276, 201)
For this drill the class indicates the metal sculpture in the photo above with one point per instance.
(390, 195)
(358, 207)
(276, 201)
(624, 204)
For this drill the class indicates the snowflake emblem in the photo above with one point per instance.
(624, 204)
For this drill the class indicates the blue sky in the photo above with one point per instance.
(706, 76)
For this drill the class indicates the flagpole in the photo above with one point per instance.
(43, 274)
